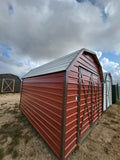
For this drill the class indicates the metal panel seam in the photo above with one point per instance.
(63, 127)
(78, 117)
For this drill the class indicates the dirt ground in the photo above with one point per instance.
(20, 141)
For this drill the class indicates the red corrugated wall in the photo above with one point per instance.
(88, 62)
(41, 102)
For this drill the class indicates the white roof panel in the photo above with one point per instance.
(57, 65)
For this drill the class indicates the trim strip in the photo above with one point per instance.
(78, 116)
(63, 128)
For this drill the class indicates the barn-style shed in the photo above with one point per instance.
(9, 83)
(63, 99)
(107, 91)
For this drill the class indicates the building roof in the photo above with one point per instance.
(105, 74)
(8, 75)
(57, 65)
(60, 64)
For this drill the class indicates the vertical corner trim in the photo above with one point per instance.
(63, 127)
(78, 116)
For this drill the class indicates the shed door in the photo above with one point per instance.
(88, 100)
(7, 85)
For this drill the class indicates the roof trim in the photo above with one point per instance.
(93, 54)
(10, 74)
(106, 74)
(57, 65)
(64, 64)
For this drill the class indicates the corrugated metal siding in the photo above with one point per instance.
(97, 98)
(41, 102)
(107, 99)
(71, 111)
(104, 97)
(87, 62)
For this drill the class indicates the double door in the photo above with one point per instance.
(89, 109)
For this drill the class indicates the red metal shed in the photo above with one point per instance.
(63, 99)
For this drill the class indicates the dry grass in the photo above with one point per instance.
(19, 140)
(1, 153)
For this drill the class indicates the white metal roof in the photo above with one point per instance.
(105, 74)
(57, 65)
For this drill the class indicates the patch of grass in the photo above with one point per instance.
(14, 154)
(1, 153)
(27, 138)
(9, 150)
(15, 141)
(12, 130)
(3, 104)
(31, 154)
(118, 103)
(13, 111)
(114, 129)
(115, 122)
(15, 132)
(18, 133)
(106, 150)
(20, 116)
(16, 105)
(5, 126)
(7, 110)
(107, 124)
(116, 136)
(110, 114)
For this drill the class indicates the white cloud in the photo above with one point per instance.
(109, 64)
(17, 67)
(112, 67)
(41, 30)
(99, 54)
(110, 9)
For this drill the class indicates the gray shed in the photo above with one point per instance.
(107, 90)
(9, 83)
(115, 93)
(119, 91)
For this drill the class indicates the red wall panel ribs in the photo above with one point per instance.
(89, 66)
(63, 106)
(41, 102)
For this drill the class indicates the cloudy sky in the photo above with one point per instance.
(34, 32)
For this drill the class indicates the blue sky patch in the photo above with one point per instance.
(112, 57)
(10, 9)
(6, 55)
(80, 1)
(91, 1)
(4, 49)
